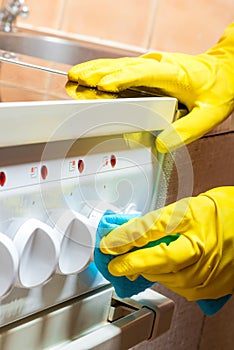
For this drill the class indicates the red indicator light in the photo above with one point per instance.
(44, 172)
(113, 160)
(80, 165)
(2, 178)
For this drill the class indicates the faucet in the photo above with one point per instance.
(10, 12)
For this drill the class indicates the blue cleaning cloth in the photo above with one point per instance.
(210, 307)
(125, 288)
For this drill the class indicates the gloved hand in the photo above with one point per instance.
(199, 264)
(204, 83)
(124, 287)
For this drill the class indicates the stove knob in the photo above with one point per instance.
(38, 249)
(76, 237)
(9, 261)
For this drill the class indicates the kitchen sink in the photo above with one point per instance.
(57, 49)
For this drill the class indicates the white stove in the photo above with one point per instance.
(62, 164)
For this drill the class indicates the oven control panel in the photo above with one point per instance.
(49, 193)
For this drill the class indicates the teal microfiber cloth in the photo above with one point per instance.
(125, 288)
(210, 307)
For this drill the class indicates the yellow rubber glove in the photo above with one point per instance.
(199, 264)
(204, 83)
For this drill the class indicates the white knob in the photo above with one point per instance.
(38, 249)
(76, 237)
(9, 261)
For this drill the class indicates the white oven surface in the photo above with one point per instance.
(62, 164)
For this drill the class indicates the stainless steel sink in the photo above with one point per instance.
(56, 49)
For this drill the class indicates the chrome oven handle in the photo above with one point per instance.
(150, 315)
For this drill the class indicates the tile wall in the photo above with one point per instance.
(172, 25)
